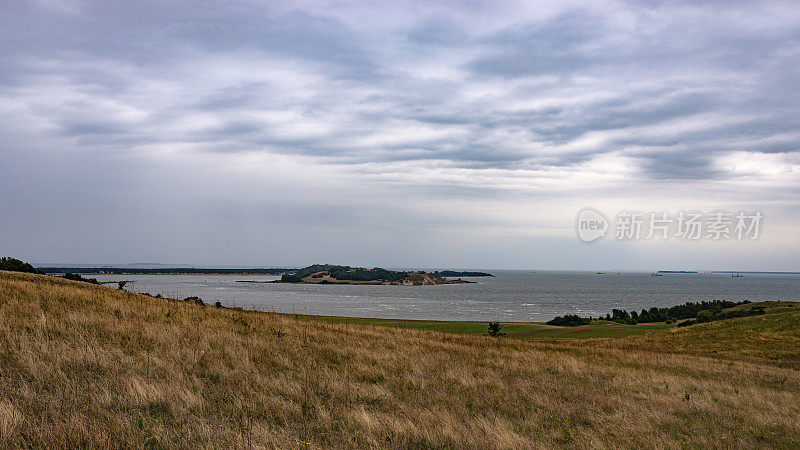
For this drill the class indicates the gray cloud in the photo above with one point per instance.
(434, 101)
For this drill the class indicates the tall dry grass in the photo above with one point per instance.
(84, 365)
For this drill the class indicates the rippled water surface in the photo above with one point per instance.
(509, 296)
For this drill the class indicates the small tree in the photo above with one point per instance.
(494, 329)
(619, 315)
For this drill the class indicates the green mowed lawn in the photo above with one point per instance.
(523, 330)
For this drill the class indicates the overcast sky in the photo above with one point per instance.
(401, 134)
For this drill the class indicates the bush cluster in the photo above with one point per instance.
(570, 320)
(76, 277)
(702, 311)
(709, 316)
(15, 265)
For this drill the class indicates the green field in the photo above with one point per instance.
(523, 330)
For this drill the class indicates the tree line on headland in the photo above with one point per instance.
(695, 311)
(15, 265)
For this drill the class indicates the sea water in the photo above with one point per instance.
(508, 296)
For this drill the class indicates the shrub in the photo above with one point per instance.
(705, 316)
(194, 299)
(76, 277)
(495, 329)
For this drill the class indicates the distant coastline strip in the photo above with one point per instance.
(165, 271)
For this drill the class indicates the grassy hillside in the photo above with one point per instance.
(84, 365)
(773, 338)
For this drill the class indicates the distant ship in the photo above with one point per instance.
(737, 275)
(656, 274)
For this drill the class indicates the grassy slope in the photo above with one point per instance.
(87, 365)
(773, 338)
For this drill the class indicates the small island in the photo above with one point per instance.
(457, 273)
(331, 274)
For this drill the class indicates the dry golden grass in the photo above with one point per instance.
(84, 365)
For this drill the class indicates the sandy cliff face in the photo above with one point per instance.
(425, 279)
(420, 279)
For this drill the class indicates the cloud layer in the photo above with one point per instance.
(478, 120)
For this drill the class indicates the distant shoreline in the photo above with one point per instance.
(280, 271)
(753, 272)
(163, 271)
